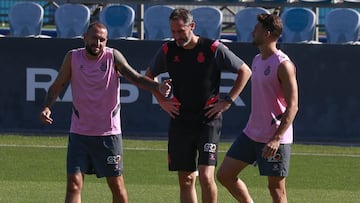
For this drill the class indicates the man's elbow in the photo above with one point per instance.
(245, 70)
(149, 74)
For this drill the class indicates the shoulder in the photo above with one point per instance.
(169, 44)
(115, 52)
(281, 56)
(286, 68)
(69, 55)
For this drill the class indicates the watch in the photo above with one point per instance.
(228, 99)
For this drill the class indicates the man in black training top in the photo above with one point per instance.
(194, 64)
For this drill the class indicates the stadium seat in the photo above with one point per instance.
(264, 2)
(316, 1)
(245, 21)
(156, 22)
(119, 20)
(26, 19)
(71, 20)
(208, 21)
(342, 26)
(298, 25)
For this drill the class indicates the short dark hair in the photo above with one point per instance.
(96, 24)
(272, 23)
(181, 14)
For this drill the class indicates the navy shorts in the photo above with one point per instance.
(100, 155)
(193, 143)
(249, 151)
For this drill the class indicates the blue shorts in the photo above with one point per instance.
(249, 151)
(100, 155)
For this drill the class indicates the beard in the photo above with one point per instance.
(254, 43)
(257, 42)
(92, 51)
(185, 41)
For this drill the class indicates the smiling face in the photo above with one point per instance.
(95, 39)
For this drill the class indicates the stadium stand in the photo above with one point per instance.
(245, 20)
(208, 21)
(156, 22)
(119, 19)
(340, 31)
(229, 8)
(71, 20)
(298, 25)
(26, 19)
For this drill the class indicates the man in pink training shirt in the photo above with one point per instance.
(95, 140)
(268, 135)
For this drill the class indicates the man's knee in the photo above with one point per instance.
(187, 179)
(116, 183)
(277, 189)
(74, 183)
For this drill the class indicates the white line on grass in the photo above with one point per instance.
(159, 149)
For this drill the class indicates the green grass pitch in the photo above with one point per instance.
(32, 169)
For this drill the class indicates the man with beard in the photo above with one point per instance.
(268, 135)
(95, 140)
(194, 64)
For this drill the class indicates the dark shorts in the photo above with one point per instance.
(100, 155)
(249, 151)
(193, 143)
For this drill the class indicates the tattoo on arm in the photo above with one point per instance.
(132, 75)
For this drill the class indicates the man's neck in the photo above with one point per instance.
(193, 42)
(267, 50)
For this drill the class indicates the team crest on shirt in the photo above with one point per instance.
(200, 58)
(267, 71)
(176, 59)
(103, 67)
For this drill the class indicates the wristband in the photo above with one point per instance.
(228, 99)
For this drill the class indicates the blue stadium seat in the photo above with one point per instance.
(26, 19)
(317, 1)
(208, 21)
(298, 25)
(245, 21)
(119, 20)
(270, 1)
(342, 26)
(156, 22)
(71, 20)
(349, 2)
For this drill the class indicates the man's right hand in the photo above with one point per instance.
(45, 116)
(170, 106)
(165, 87)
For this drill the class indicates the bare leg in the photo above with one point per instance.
(73, 188)
(208, 185)
(187, 187)
(118, 190)
(227, 176)
(277, 188)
